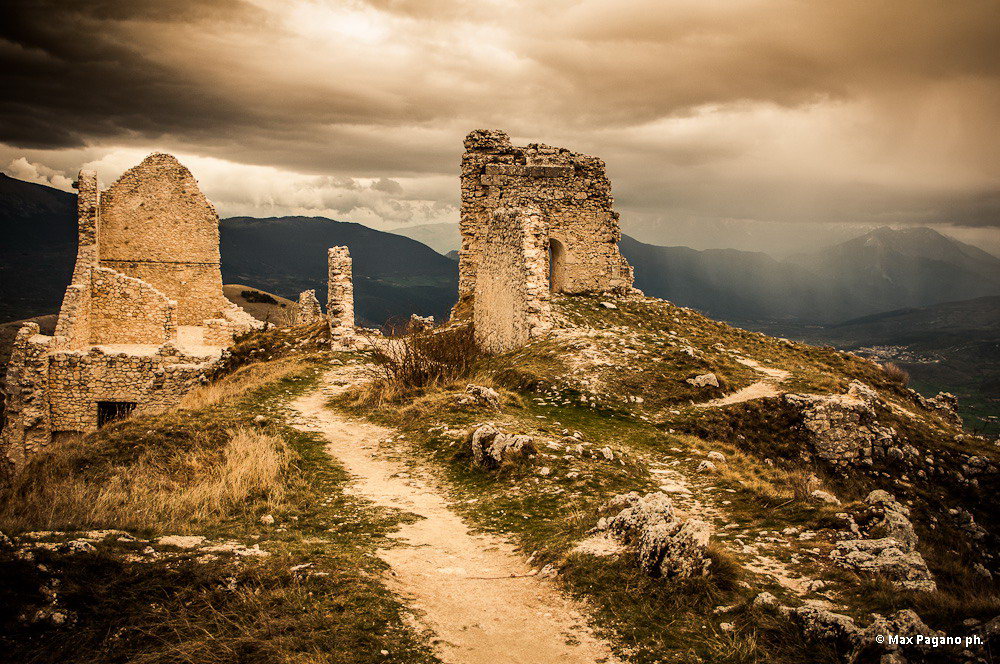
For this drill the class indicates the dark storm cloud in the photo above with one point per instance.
(763, 109)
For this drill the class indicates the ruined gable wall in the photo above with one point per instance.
(570, 189)
(340, 296)
(156, 225)
(511, 303)
(125, 310)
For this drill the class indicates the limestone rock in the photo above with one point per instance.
(716, 457)
(492, 448)
(887, 545)
(885, 557)
(705, 380)
(821, 496)
(478, 395)
(843, 429)
(665, 545)
(706, 467)
(825, 626)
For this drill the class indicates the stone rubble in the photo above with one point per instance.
(665, 545)
(887, 545)
(491, 448)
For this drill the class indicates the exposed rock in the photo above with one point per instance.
(706, 467)
(946, 405)
(705, 380)
(665, 545)
(181, 541)
(888, 544)
(765, 599)
(825, 626)
(267, 520)
(821, 496)
(478, 395)
(716, 457)
(886, 557)
(492, 448)
(308, 310)
(843, 428)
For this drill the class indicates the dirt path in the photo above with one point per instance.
(474, 592)
(762, 388)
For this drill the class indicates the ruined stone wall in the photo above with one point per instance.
(73, 324)
(573, 195)
(125, 310)
(156, 225)
(79, 380)
(340, 297)
(26, 385)
(511, 303)
(308, 310)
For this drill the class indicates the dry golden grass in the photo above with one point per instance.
(248, 472)
(240, 382)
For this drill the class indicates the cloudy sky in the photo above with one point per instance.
(739, 122)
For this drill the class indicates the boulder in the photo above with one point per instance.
(820, 496)
(491, 448)
(479, 395)
(666, 546)
(716, 457)
(885, 557)
(887, 544)
(705, 380)
(819, 624)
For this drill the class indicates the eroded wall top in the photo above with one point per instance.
(156, 212)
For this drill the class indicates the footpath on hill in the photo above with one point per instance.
(478, 597)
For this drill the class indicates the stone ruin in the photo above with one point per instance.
(535, 220)
(142, 320)
(308, 310)
(340, 298)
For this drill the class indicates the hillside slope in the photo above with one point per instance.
(705, 493)
(38, 227)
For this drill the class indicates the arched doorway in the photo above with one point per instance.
(557, 265)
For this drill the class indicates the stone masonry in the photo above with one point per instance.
(142, 320)
(340, 297)
(308, 310)
(571, 193)
(512, 289)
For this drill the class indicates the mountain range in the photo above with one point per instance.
(395, 275)
(884, 269)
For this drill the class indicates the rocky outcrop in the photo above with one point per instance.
(887, 545)
(704, 380)
(856, 644)
(666, 546)
(842, 429)
(491, 448)
(480, 396)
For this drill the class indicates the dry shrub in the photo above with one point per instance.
(419, 360)
(896, 373)
(240, 382)
(56, 491)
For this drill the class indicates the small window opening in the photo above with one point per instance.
(112, 411)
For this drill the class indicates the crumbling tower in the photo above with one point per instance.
(566, 240)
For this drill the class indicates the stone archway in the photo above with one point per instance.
(557, 265)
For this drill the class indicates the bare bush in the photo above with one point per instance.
(420, 359)
(896, 373)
